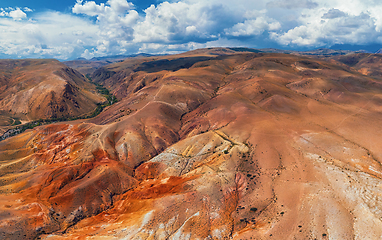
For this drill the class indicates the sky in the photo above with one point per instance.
(70, 29)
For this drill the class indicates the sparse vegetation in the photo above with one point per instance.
(105, 92)
(253, 209)
(16, 122)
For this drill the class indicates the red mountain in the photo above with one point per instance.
(210, 144)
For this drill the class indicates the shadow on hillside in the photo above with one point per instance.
(170, 65)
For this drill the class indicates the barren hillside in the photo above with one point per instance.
(210, 144)
(41, 89)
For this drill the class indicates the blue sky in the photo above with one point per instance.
(69, 29)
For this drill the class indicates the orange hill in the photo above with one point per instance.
(40, 89)
(211, 144)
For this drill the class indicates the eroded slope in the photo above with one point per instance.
(236, 146)
(41, 89)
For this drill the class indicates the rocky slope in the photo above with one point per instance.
(41, 89)
(365, 63)
(211, 144)
(88, 66)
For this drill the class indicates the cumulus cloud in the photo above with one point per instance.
(166, 25)
(15, 13)
(50, 34)
(334, 27)
(255, 23)
(113, 11)
(115, 20)
(333, 13)
(89, 8)
(291, 4)
(180, 22)
(27, 9)
(252, 27)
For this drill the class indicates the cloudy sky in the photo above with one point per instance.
(69, 29)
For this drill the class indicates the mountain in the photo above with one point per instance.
(89, 66)
(316, 52)
(209, 144)
(86, 67)
(120, 57)
(366, 63)
(42, 89)
(370, 48)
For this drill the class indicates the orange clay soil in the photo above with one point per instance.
(217, 145)
(39, 89)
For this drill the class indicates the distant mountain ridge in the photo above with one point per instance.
(88, 66)
(319, 51)
(113, 57)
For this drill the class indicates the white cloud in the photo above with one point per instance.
(113, 11)
(174, 22)
(290, 4)
(89, 8)
(15, 13)
(329, 26)
(333, 13)
(255, 23)
(48, 35)
(375, 13)
(115, 21)
(27, 9)
(159, 27)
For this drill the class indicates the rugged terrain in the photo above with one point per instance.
(366, 63)
(210, 144)
(88, 66)
(42, 89)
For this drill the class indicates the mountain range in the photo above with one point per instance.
(218, 143)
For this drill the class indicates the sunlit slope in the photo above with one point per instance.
(40, 89)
